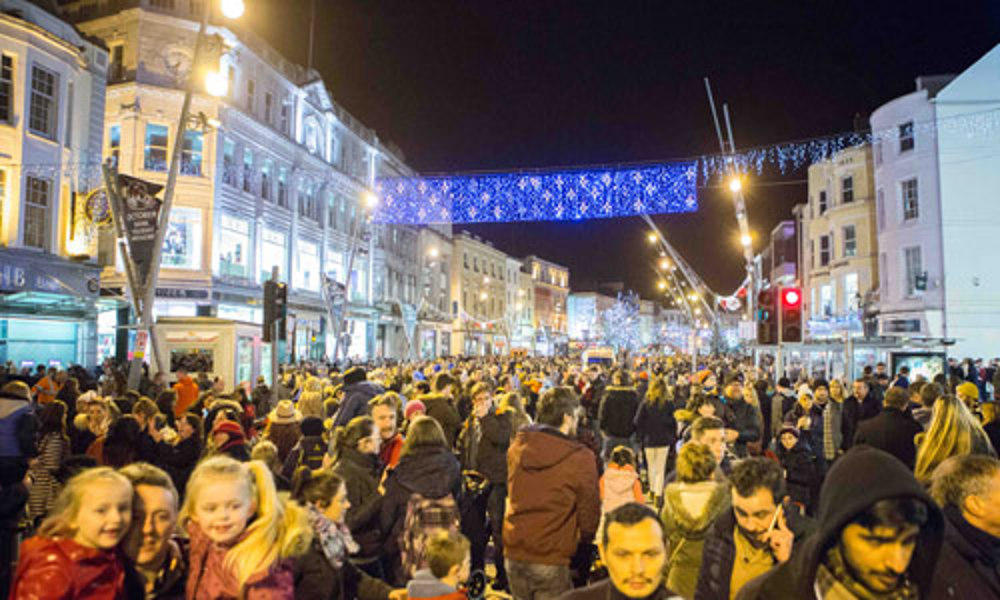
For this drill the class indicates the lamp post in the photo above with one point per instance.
(370, 201)
(231, 9)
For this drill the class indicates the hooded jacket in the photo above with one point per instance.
(969, 564)
(859, 479)
(187, 395)
(431, 472)
(688, 512)
(360, 474)
(355, 404)
(616, 415)
(440, 408)
(619, 485)
(18, 426)
(553, 500)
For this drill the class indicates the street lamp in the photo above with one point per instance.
(651, 237)
(664, 264)
(661, 284)
(483, 296)
(735, 185)
(370, 199)
(232, 9)
(433, 252)
(746, 240)
(216, 84)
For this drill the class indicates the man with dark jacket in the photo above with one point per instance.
(756, 534)
(879, 536)
(743, 418)
(553, 501)
(892, 430)
(615, 417)
(440, 405)
(357, 392)
(633, 549)
(967, 488)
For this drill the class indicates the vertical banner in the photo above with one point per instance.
(140, 216)
(409, 314)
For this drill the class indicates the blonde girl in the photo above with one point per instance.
(77, 552)
(953, 431)
(242, 534)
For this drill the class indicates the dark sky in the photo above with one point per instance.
(464, 85)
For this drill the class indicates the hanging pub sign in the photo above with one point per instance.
(97, 208)
(140, 215)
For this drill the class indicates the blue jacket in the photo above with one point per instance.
(18, 426)
(355, 404)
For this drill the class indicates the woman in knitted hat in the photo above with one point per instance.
(803, 472)
(228, 438)
(283, 428)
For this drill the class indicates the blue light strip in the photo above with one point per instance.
(568, 195)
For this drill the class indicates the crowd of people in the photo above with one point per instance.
(534, 478)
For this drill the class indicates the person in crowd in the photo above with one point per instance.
(830, 427)
(449, 565)
(77, 553)
(807, 417)
(311, 400)
(427, 468)
(863, 404)
(145, 412)
(553, 499)
(68, 394)
(803, 471)
(968, 393)
(924, 411)
(892, 430)
(620, 482)
(309, 451)
(616, 414)
(755, 535)
(179, 455)
(690, 506)
(186, 391)
(414, 409)
(262, 398)
(283, 428)
(53, 449)
(699, 405)
(991, 423)
(243, 536)
(743, 418)
(358, 391)
(657, 431)
(152, 545)
(512, 404)
(324, 571)
(878, 536)
(953, 431)
(385, 410)
(228, 438)
(91, 422)
(355, 453)
(47, 388)
(18, 430)
(632, 546)
(440, 405)
(785, 400)
(967, 488)
(267, 453)
(483, 444)
(122, 443)
(712, 432)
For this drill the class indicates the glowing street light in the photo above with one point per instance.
(483, 296)
(233, 9)
(664, 264)
(216, 84)
(746, 240)
(433, 252)
(735, 185)
(661, 284)
(651, 237)
(370, 200)
(486, 279)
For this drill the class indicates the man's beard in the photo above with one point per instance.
(751, 537)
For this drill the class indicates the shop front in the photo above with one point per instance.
(48, 310)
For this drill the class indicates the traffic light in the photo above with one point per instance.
(767, 318)
(275, 309)
(791, 314)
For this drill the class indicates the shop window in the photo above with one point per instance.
(6, 88)
(234, 245)
(155, 157)
(44, 108)
(191, 153)
(268, 107)
(283, 187)
(273, 253)
(229, 163)
(37, 207)
(247, 171)
(265, 181)
(182, 244)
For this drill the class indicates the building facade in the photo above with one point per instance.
(273, 176)
(584, 316)
(551, 290)
(479, 297)
(434, 309)
(840, 267)
(52, 90)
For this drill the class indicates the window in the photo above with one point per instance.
(44, 85)
(847, 190)
(191, 153)
(247, 170)
(826, 300)
(265, 181)
(116, 70)
(824, 250)
(852, 299)
(182, 244)
(911, 258)
(6, 88)
(283, 187)
(306, 200)
(850, 241)
(68, 138)
(268, 107)
(475, 264)
(812, 253)
(331, 211)
(273, 253)
(251, 89)
(284, 117)
(155, 158)
(234, 246)
(115, 143)
(229, 162)
(465, 260)
(911, 203)
(822, 202)
(906, 139)
(37, 206)
(880, 209)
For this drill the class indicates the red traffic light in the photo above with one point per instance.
(791, 297)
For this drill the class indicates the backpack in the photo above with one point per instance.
(311, 451)
(424, 517)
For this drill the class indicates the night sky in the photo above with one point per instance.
(464, 85)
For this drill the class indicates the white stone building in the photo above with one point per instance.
(479, 296)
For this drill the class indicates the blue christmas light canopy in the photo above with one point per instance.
(556, 195)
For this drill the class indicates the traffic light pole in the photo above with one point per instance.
(779, 355)
(274, 324)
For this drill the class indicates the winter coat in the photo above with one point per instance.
(969, 564)
(605, 590)
(308, 452)
(803, 473)
(616, 415)
(746, 419)
(688, 512)
(388, 454)
(208, 580)
(179, 459)
(431, 472)
(619, 486)
(442, 409)
(360, 474)
(187, 395)
(491, 436)
(262, 399)
(425, 586)
(858, 479)
(552, 494)
(18, 426)
(355, 403)
(893, 432)
(58, 568)
(284, 436)
(317, 579)
(656, 425)
(53, 451)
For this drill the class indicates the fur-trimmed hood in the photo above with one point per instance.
(714, 498)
